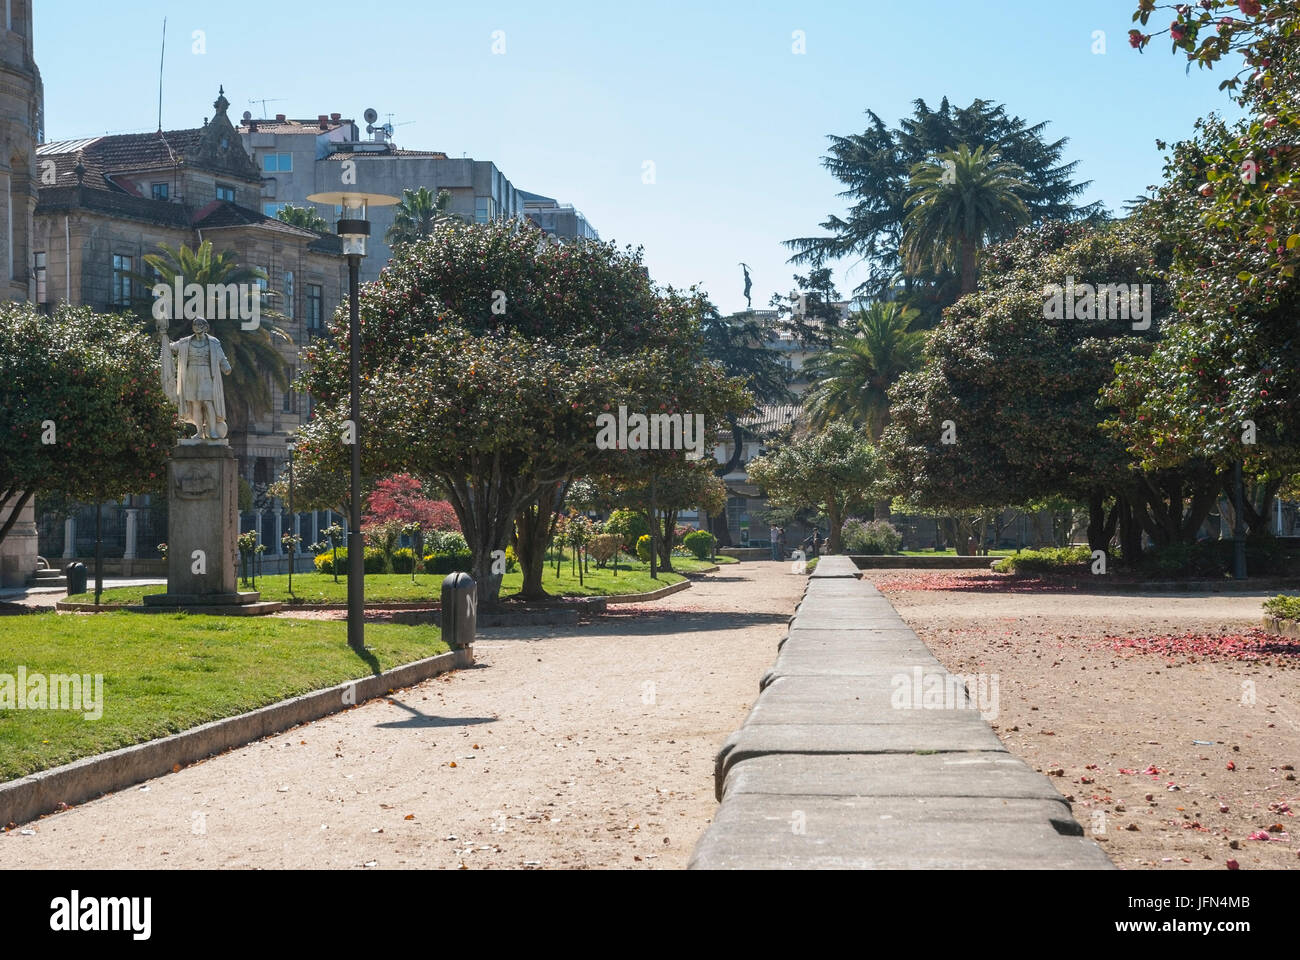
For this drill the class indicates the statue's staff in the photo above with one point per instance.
(168, 365)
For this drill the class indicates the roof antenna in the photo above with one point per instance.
(161, 58)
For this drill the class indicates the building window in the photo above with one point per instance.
(485, 209)
(288, 402)
(315, 305)
(277, 163)
(288, 294)
(226, 192)
(122, 267)
(263, 284)
(159, 190)
(38, 267)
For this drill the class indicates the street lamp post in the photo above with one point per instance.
(353, 228)
(293, 527)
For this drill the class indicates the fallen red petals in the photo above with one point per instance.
(1254, 644)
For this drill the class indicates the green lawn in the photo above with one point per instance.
(163, 673)
(399, 588)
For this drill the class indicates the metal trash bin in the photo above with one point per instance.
(76, 574)
(459, 610)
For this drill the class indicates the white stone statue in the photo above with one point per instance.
(193, 382)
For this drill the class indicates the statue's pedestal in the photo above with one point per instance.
(202, 530)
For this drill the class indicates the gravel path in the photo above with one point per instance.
(564, 747)
(1176, 759)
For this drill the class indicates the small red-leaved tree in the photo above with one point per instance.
(400, 499)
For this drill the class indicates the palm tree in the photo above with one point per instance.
(850, 380)
(418, 215)
(306, 217)
(253, 354)
(960, 200)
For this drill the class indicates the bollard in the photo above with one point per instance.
(76, 574)
(459, 610)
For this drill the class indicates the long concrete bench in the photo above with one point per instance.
(864, 752)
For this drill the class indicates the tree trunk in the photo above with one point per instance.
(667, 529)
(532, 525)
(14, 510)
(969, 267)
(1097, 538)
(836, 522)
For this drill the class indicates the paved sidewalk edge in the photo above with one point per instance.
(86, 779)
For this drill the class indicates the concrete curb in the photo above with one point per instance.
(831, 770)
(652, 595)
(1283, 628)
(73, 783)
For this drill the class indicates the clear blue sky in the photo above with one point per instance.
(734, 122)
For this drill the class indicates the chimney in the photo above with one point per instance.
(323, 120)
(252, 126)
(279, 118)
(336, 117)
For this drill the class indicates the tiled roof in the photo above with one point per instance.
(292, 126)
(222, 213)
(371, 154)
(770, 417)
(65, 164)
(124, 154)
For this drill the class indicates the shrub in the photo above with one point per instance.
(374, 562)
(1049, 560)
(628, 524)
(643, 548)
(699, 543)
(873, 537)
(1215, 558)
(403, 560)
(445, 541)
(1283, 607)
(442, 564)
(604, 547)
(512, 561)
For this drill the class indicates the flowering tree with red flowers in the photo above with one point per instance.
(401, 499)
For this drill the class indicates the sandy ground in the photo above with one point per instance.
(564, 747)
(1084, 712)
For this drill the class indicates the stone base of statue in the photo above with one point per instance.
(202, 530)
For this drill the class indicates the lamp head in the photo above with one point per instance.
(353, 225)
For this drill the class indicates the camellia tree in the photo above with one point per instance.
(82, 410)
(487, 354)
(1223, 385)
(835, 469)
(1005, 410)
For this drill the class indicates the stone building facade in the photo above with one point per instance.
(112, 200)
(103, 204)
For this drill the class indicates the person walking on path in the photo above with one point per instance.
(775, 541)
(817, 542)
(780, 543)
